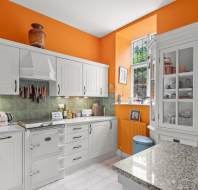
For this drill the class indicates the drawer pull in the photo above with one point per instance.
(77, 128)
(4, 138)
(48, 139)
(77, 147)
(176, 140)
(78, 158)
(77, 137)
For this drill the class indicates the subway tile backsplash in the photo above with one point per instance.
(23, 109)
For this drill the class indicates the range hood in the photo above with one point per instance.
(37, 66)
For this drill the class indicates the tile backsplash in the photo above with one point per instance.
(23, 109)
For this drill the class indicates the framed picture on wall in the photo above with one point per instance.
(123, 74)
(135, 115)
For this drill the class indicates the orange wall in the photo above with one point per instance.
(123, 49)
(107, 54)
(15, 23)
(177, 14)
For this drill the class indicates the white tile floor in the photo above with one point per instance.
(99, 176)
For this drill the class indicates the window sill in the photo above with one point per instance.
(132, 104)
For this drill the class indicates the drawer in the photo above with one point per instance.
(75, 147)
(45, 142)
(74, 137)
(75, 158)
(77, 128)
(186, 141)
(45, 171)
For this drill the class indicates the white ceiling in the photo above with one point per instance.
(97, 17)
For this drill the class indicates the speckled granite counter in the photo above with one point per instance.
(167, 166)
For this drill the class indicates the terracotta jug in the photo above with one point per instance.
(37, 36)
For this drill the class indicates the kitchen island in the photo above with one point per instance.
(166, 166)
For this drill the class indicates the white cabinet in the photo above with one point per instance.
(95, 79)
(71, 83)
(103, 79)
(91, 80)
(9, 72)
(11, 161)
(178, 94)
(174, 59)
(79, 79)
(102, 138)
(114, 135)
(55, 87)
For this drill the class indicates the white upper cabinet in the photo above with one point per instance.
(103, 79)
(91, 80)
(11, 161)
(9, 72)
(72, 84)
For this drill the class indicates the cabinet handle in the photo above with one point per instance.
(90, 129)
(78, 158)
(77, 128)
(176, 140)
(77, 147)
(77, 137)
(84, 90)
(48, 139)
(111, 125)
(4, 138)
(15, 84)
(58, 89)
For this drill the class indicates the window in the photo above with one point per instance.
(140, 75)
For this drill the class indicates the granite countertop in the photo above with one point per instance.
(88, 119)
(166, 166)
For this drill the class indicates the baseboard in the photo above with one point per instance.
(122, 154)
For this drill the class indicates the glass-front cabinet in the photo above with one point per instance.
(177, 86)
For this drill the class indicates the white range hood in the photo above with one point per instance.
(37, 66)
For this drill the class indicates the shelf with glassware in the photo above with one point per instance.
(177, 92)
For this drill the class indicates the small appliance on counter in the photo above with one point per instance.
(97, 109)
(86, 112)
(5, 118)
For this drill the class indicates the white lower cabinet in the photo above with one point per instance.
(99, 138)
(88, 141)
(11, 161)
(178, 138)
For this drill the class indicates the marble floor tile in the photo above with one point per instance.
(98, 176)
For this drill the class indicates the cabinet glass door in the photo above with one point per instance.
(177, 89)
(169, 59)
(185, 86)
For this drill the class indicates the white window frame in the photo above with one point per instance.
(140, 65)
